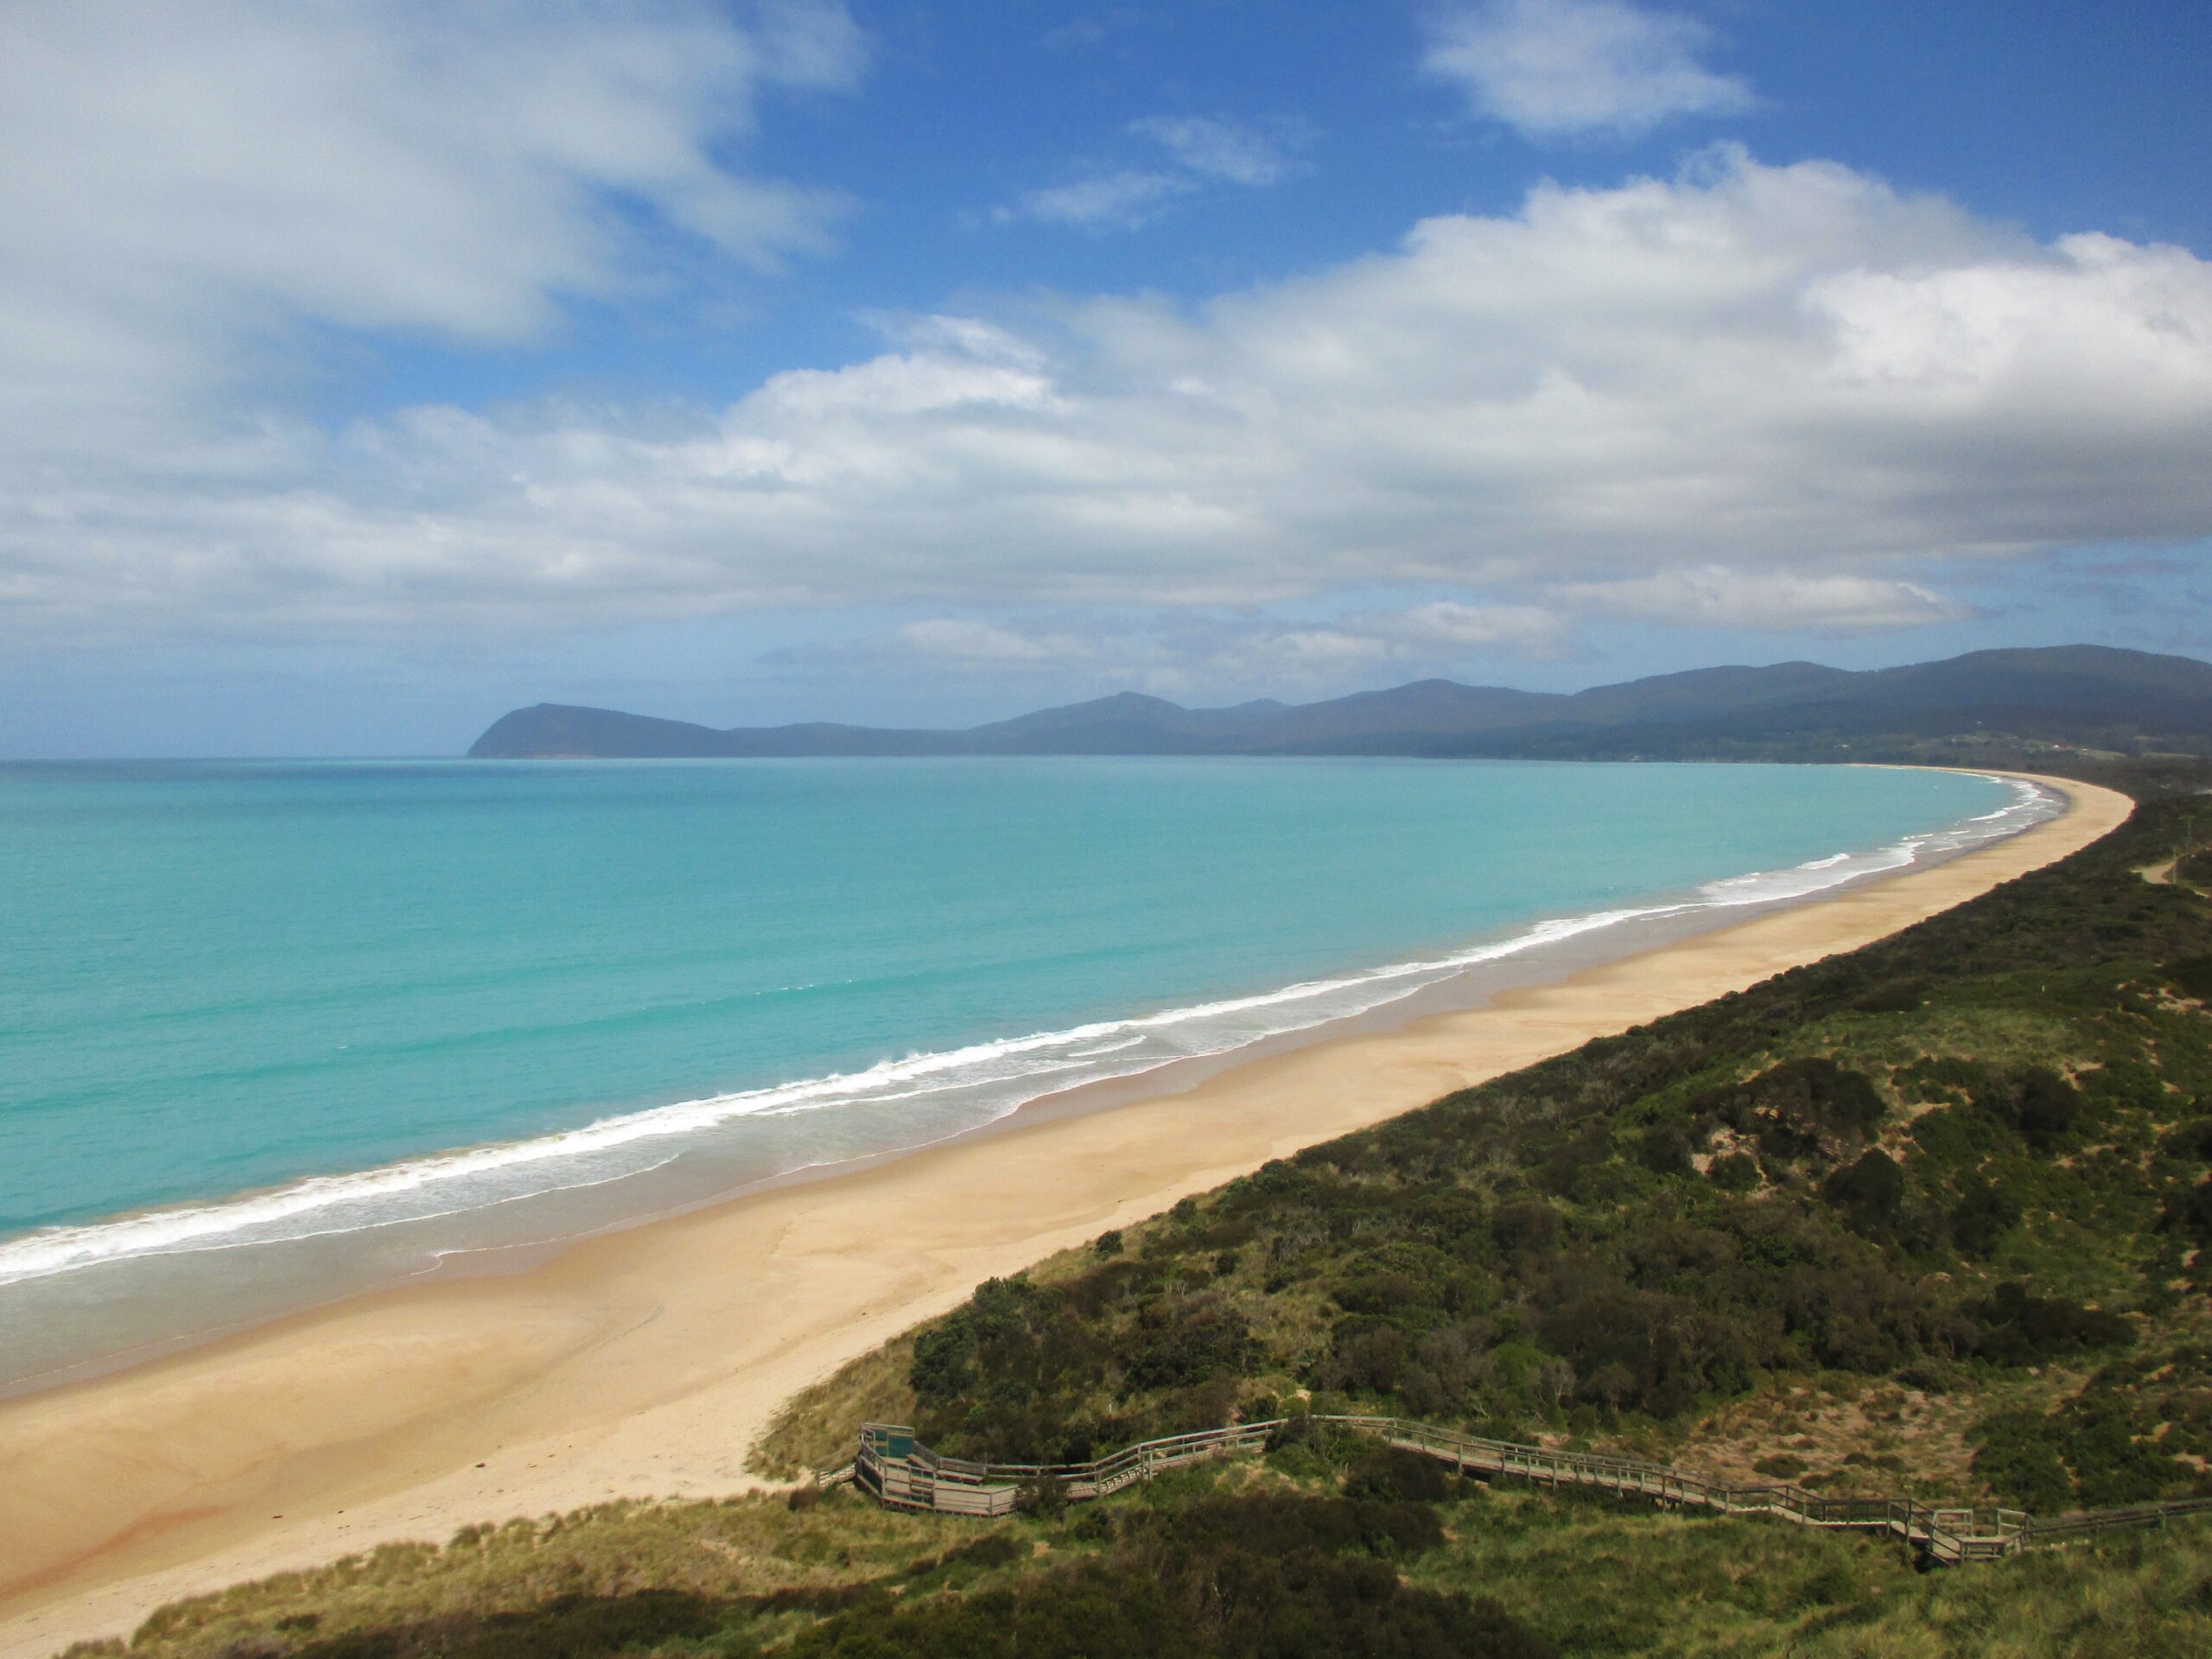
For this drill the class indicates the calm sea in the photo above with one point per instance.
(269, 1031)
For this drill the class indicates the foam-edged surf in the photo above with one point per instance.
(940, 1092)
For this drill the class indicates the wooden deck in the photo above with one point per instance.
(901, 1473)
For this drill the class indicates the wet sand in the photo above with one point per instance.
(644, 1362)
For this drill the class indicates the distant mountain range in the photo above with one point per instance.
(2077, 695)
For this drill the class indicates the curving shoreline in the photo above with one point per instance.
(666, 1093)
(644, 1362)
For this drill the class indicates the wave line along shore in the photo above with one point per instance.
(644, 1362)
(1002, 1075)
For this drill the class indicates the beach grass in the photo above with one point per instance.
(1924, 1218)
(816, 1430)
(1573, 1573)
(1963, 1179)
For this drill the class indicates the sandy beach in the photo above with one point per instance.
(644, 1362)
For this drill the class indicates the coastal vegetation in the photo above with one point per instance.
(1929, 1218)
(1925, 1217)
(1317, 1550)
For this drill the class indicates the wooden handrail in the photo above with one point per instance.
(914, 1477)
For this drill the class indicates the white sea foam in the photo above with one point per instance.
(933, 1094)
(2030, 804)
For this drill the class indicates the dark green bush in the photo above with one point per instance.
(1898, 996)
(1983, 1215)
(1870, 1192)
(2016, 1454)
(2045, 1107)
(1184, 1340)
(1734, 1172)
(1528, 1227)
(2100, 1450)
(2191, 1140)
(2191, 976)
(2020, 1328)
(1798, 1110)
(2190, 1214)
(1393, 1472)
(1664, 1149)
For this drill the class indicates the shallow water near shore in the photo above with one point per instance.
(247, 1012)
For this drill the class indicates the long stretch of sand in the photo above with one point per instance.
(644, 1362)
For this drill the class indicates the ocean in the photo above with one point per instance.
(271, 1032)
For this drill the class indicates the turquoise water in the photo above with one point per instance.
(310, 984)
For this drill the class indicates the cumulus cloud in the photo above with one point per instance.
(970, 641)
(1551, 68)
(1713, 596)
(1201, 151)
(1763, 369)
(181, 185)
(1120, 200)
(1216, 149)
(1450, 627)
(1202, 654)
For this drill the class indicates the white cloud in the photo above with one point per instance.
(1201, 151)
(1204, 654)
(1779, 372)
(969, 642)
(1120, 202)
(1550, 68)
(180, 185)
(1782, 601)
(1216, 149)
(1083, 34)
(1449, 625)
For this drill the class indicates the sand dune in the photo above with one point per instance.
(644, 1362)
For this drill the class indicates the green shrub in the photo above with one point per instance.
(2020, 1328)
(1394, 1473)
(2191, 1140)
(1734, 1172)
(1870, 1192)
(2191, 976)
(2017, 1457)
(1186, 1340)
(1664, 1149)
(1983, 1215)
(1898, 996)
(2045, 1106)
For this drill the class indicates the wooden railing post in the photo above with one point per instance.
(899, 1472)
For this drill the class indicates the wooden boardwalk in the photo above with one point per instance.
(901, 1473)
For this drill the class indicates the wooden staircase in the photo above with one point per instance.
(901, 1473)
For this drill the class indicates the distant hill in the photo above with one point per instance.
(2078, 695)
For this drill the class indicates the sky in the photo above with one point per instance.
(369, 369)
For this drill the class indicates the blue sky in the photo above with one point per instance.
(368, 369)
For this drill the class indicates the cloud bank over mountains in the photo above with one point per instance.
(1607, 400)
(1743, 395)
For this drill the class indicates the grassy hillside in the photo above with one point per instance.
(1929, 1218)
(1925, 1217)
(1323, 1549)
